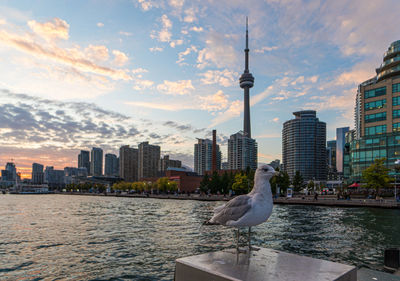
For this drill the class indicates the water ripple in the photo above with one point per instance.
(58, 237)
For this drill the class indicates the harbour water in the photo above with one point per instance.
(109, 238)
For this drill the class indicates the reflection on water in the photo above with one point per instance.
(79, 237)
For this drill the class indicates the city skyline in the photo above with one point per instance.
(167, 72)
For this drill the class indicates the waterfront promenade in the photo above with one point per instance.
(329, 201)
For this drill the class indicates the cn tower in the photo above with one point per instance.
(246, 82)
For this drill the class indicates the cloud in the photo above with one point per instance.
(100, 24)
(125, 33)
(276, 120)
(35, 122)
(176, 3)
(73, 57)
(142, 84)
(181, 87)
(218, 51)
(182, 128)
(164, 35)
(139, 70)
(224, 77)
(234, 110)
(182, 55)
(176, 43)
(197, 29)
(216, 102)
(313, 79)
(97, 53)
(120, 58)
(154, 105)
(55, 29)
(156, 49)
(147, 4)
(190, 15)
(265, 49)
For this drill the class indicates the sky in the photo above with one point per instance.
(81, 74)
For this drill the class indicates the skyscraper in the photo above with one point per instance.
(304, 146)
(377, 117)
(166, 163)
(340, 142)
(242, 152)
(203, 156)
(37, 173)
(83, 160)
(111, 165)
(128, 163)
(96, 162)
(246, 82)
(149, 155)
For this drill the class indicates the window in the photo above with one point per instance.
(375, 92)
(396, 114)
(396, 88)
(375, 130)
(381, 116)
(396, 127)
(396, 101)
(376, 104)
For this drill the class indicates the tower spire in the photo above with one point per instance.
(246, 82)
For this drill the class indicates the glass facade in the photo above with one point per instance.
(364, 151)
(396, 88)
(375, 130)
(375, 93)
(396, 101)
(381, 116)
(375, 104)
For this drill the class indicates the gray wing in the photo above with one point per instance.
(233, 210)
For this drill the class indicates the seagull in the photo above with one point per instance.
(250, 209)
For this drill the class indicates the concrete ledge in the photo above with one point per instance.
(265, 264)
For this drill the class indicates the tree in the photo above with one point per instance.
(225, 183)
(241, 184)
(297, 181)
(310, 185)
(282, 180)
(377, 175)
(214, 184)
(204, 184)
(162, 184)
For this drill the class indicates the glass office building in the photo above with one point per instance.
(377, 121)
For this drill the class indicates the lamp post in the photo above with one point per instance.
(397, 169)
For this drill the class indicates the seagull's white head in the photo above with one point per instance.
(265, 172)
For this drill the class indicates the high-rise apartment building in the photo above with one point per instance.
(203, 156)
(377, 116)
(83, 160)
(111, 165)
(166, 163)
(331, 155)
(340, 142)
(9, 174)
(149, 156)
(37, 173)
(128, 163)
(96, 162)
(242, 152)
(304, 146)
